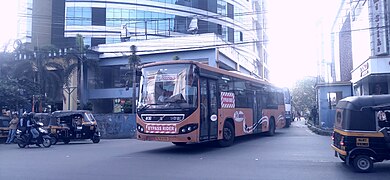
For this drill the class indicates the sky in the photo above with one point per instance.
(292, 30)
(294, 34)
(8, 13)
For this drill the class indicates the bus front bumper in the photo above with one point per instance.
(167, 138)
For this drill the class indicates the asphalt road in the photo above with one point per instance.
(293, 153)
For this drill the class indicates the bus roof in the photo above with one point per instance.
(203, 65)
(356, 103)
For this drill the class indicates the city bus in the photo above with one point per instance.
(204, 104)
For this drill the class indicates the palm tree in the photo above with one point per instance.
(80, 62)
(48, 73)
(54, 74)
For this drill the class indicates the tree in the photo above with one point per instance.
(78, 55)
(304, 94)
(14, 93)
(46, 72)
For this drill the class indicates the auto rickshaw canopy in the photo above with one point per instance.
(359, 112)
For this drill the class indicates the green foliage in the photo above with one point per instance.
(87, 106)
(304, 94)
(127, 107)
(133, 58)
(14, 92)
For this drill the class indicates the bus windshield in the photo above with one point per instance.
(168, 86)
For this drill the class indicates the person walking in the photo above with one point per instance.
(13, 124)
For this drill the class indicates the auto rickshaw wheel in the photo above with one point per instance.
(95, 139)
(66, 141)
(363, 163)
(54, 140)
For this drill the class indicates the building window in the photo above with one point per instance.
(78, 16)
(97, 41)
(111, 77)
(99, 16)
(378, 88)
(113, 40)
(334, 98)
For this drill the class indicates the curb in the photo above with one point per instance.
(319, 131)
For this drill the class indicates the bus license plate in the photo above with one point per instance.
(161, 128)
(157, 138)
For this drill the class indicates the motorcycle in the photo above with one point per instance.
(24, 138)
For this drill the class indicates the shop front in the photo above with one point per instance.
(372, 77)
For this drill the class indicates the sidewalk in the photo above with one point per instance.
(315, 129)
(319, 130)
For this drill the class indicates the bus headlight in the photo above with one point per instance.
(140, 128)
(188, 128)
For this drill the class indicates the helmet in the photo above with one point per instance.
(30, 115)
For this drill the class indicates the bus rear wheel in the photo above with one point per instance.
(272, 127)
(228, 135)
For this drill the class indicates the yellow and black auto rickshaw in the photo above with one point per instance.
(4, 123)
(71, 125)
(361, 133)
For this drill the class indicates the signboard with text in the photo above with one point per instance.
(227, 100)
(378, 26)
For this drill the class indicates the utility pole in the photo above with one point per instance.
(134, 61)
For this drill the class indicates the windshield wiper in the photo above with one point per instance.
(144, 107)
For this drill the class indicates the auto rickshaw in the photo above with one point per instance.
(73, 125)
(4, 123)
(44, 118)
(361, 135)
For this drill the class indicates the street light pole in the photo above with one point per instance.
(134, 90)
(69, 91)
(133, 62)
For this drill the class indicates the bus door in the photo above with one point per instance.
(254, 107)
(209, 109)
(260, 101)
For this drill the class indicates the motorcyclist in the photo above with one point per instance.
(32, 129)
(23, 123)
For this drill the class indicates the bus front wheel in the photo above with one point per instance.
(228, 135)
(179, 143)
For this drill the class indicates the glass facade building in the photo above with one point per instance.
(113, 21)
(234, 31)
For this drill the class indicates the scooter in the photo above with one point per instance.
(24, 138)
